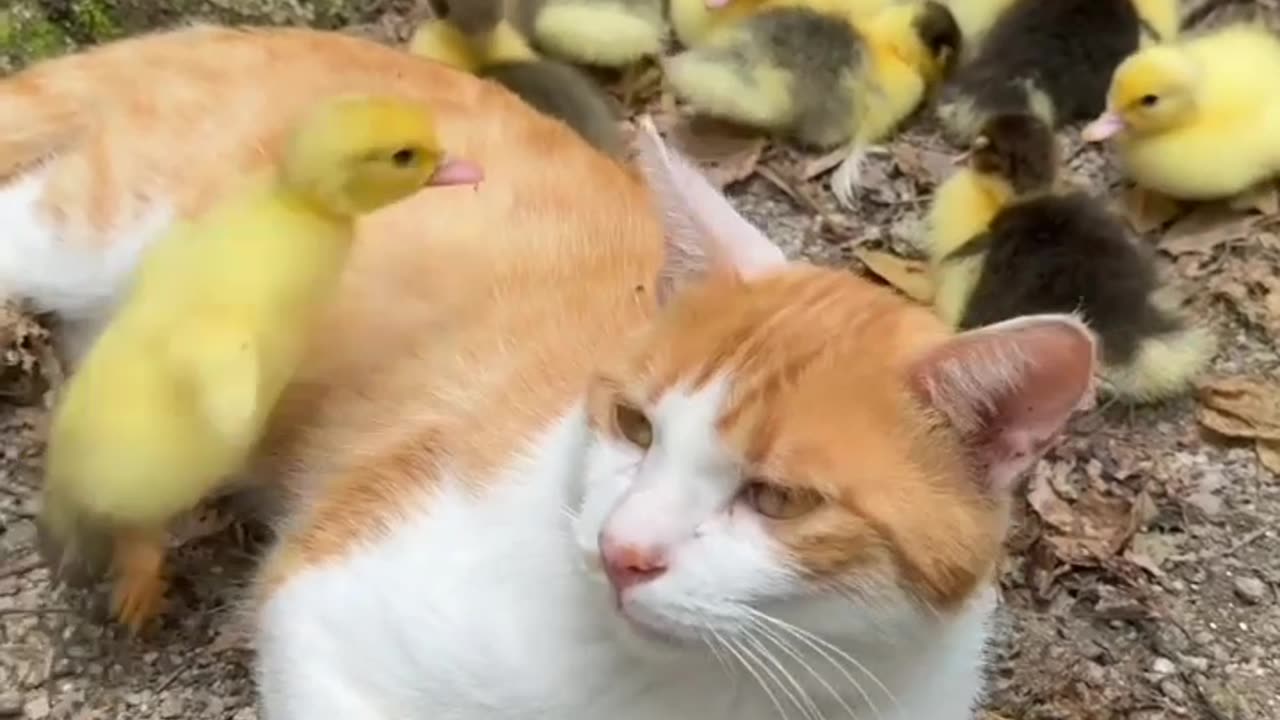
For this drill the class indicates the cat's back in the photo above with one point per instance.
(101, 151)
(453, 301)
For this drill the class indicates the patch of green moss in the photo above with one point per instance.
(27, 35)
(34, 29)
(95, 19)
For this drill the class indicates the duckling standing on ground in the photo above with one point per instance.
(818, 75)
(173, 395)
(1034, 248)
(475, 36)
(1198, 119)
(1051, 59)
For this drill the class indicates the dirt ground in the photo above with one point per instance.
(1142, 578)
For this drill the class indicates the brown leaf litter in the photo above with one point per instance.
(910, 277)
(1088, 527)
(29, 368)
(725, 153)
(1245, 408)
(1207, 229)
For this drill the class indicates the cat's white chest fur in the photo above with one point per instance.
(66, 267)
(480, 608)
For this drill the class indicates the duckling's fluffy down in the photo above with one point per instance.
(605, 33)
(1067, 253)
(790, 68)
(1053, 59)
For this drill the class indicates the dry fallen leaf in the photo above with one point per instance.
(1207, 228)
(911, 277)
(927, 167)
(1264, 199)
(1091, 530)
(726, 153)
(823, 163)
(1269, 454)
(1241, 407)
(1252, 286)
(1248, 408)
(1150, 550)
(1147, 211)
(29, 367)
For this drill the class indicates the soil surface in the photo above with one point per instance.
(1142, 577)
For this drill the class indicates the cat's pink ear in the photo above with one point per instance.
(1009, 389)
(703, 231)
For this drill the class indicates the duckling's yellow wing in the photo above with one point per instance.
(439, 40)
(961, 211)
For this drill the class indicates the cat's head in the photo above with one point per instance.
(793, 444)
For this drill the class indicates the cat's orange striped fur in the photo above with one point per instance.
(825, 474)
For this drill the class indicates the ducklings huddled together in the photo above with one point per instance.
(1190, 114)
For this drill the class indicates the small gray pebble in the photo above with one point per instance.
(37, 708)
(1173, 691)
(1251, 589)
(171, 707)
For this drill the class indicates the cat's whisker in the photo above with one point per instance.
(800, 698)
(713, 641)
(858, 597)
(747, 662)
(796, 655)
(826, 650)
(924, 602)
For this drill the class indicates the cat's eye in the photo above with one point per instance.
(404, 157)
(778, 502)
(633, 425)
(1149, 100)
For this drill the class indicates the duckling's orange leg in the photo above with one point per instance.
(140, 584)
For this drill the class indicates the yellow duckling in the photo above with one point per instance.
(1008, 238)
(975, 18)
(1198, 119)
(476, 38)
(694, 20)
(172, 397)
(821, 76)
(603, 33)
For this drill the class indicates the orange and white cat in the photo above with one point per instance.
(579, 443)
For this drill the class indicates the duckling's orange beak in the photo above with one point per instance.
(455, 171)
(1107, 125)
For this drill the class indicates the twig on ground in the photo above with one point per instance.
(1224, 552)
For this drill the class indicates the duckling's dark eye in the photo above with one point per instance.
(404, 157)
(1149, 100)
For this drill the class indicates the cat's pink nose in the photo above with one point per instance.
(631, 565)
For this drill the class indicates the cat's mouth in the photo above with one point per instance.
(655, 628)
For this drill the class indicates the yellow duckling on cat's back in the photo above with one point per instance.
(1198, 119)
(173, 395)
